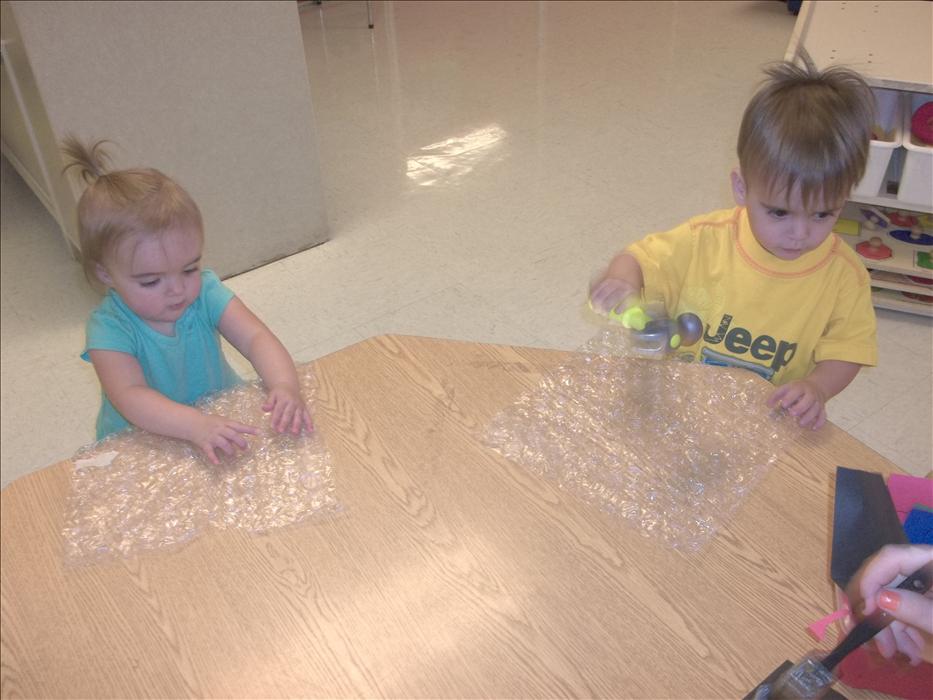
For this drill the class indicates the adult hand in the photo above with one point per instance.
(913, 612)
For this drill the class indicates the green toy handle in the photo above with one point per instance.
(634, 317)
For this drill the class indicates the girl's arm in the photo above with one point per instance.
(122, 380)
(272, 362)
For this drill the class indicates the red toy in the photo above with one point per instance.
(873, 249)
(921, 124)
(902, 219)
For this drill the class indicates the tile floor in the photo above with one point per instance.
(481, 161)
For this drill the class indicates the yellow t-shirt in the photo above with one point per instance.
(775, 317)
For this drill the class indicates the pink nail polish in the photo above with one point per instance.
(889, 600)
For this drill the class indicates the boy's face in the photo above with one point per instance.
(157, 276)
(781, 224)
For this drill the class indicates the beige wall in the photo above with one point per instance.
(215, 94)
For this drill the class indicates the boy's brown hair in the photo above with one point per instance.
(120, 203)
(808, 128)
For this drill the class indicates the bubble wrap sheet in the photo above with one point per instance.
(669, 447)
(157, 492)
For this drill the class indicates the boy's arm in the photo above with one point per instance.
(272, 362)
(623, 278)
(806, 398)
(121, 378)
(832, 376)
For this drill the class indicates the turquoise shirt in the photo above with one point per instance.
(183, 367)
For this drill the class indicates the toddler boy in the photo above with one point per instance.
(776, 291)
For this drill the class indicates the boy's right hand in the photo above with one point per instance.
(609, 293)
(212, 433)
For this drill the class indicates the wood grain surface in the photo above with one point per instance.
(452, 572)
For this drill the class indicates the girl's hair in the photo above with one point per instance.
(808, 128)
(121, 203)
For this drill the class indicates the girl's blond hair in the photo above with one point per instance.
(807, 128)
(120, 203)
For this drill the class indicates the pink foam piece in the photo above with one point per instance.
(908, 491)
(818, 628)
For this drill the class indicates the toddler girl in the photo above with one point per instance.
(154, 340)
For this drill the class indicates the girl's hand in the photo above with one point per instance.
(289, 412)
(803, 400)
(211, 433)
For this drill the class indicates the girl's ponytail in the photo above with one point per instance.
(92, 161)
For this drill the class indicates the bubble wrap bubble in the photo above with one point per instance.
(159, 492)
(669, 447)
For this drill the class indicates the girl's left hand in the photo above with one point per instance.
(289, 412)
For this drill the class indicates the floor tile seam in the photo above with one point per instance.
(467, 291)
(364, 140)
(515, 318)
(876, 440)
(340, 254)
(407, 305)
(347, 331)
(878, 408)
(352, 325)
(491, 194)
(906, 378)
(897, 341)
(37, 358)
(923, 374)
(538, 174)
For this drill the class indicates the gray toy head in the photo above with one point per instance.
(690, 328)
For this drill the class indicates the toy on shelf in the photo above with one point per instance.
(874, 219)
(921, 124)
(913, 236)
(924, 260)
(654, 334)
(873, 249)
(903, 219)
(923, 298)
(847, 227)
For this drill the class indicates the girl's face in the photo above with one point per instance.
(157, 275)
(781, 224)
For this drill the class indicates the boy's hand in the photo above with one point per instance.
(289, 412)
(803, 400)
(608, 294)
(211, 433)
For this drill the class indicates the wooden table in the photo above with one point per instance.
(453, 572)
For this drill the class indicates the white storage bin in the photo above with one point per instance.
(888, 113)
(917, 177)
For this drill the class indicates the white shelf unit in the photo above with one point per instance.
(891, 45)
(887, 42)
